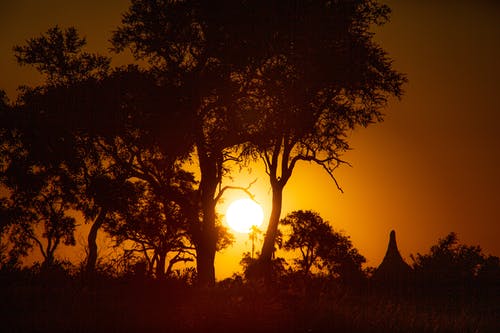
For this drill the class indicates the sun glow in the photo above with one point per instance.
(242, 214)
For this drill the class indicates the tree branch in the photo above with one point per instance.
(330, 173)
(244, 189)
(323, 163)
(39, 243)
(267, 162)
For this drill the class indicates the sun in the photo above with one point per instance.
(242, 214)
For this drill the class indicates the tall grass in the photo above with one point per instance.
(149, 306)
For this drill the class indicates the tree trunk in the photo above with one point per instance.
(272, 229)
(207, 246)
(207, 238)
(278, 182)
(52, 244)
(92, 242)
(48, 261)
(205, 262)
(160, 265)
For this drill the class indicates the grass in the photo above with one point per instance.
(134, 306)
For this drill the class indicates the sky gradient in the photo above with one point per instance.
(430, 168)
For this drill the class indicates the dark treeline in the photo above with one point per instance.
(220, 82)
(216, 84)
(452, 288)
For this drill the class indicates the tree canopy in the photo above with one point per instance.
(59, 55)
(321, 247)
(450, 265)
(324, 76)
(286, 81)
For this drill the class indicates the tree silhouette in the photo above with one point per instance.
(105, 194)
(323, 77)
(38, 209)
(254, 236)
(49, 126)
(251, 267)
(94, 123)
(37, 197)
(59, 55)
(321, 247)
(158, 226)
(310, 235)
(292, 78)
(197, 49)
(450, 266)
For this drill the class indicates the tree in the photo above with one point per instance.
(59, 55)
(323, 77)
(38, 197)
(450, 265)
(251, 269)
(157, 226)
(195, 48)
(254, 236)
(38, 211)
(4, 103)
(320, 246)
(9, 257)
(45, 119)
(292, 77)
(136, 144)
(91, 122)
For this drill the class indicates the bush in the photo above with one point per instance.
(451, 267)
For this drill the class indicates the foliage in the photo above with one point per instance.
(321, 247)
(94, 125)
(59, 55)
(220, 75)
(157, 226)
(38, 213)
(291, 78)
(44, 135)
(37, 199)
(316, 76)
(194, 49)
(452, 266)
(251, 267)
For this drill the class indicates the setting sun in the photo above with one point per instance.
(243, 214)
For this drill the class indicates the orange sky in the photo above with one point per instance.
(432, 167)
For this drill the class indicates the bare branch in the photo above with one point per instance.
(330, 173)
(267, 162)
(324, 163)
(244, 189)
(40, 245)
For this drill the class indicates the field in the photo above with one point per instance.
(232, 306)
